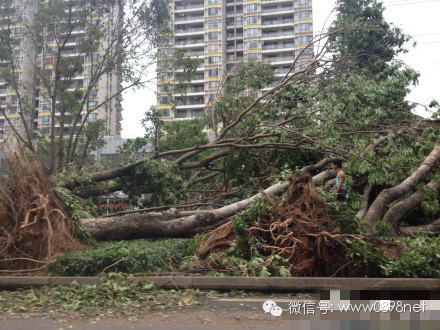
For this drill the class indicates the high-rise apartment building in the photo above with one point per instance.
(223, 33)
(29, 58)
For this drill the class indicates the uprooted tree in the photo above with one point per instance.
(347, 102)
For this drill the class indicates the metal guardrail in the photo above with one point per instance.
(286, 284)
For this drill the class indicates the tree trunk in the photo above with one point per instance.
(395, 213)
(93, 192)
(364, 207)
(387, 196)
(324, 176)
(149, 225)
(433, 227)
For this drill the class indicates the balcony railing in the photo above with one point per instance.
(189, 18)
(275, 10)
(190, 6)
(278, 46)
(276, 22)
(278, 59)
(278, 34)
(189, 30)
(181, 114)
(188, 43)
(190, 102)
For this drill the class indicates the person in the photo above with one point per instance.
(340, 187)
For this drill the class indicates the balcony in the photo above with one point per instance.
(278, 46)
(190, 7)
(278, 10)
(197, 30)
(278, 35)
(190, 18)
(275, 1)
(278, 59)
(278, 22)
(192, 43)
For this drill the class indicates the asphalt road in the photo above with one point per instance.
(231, 314)
(182, 320)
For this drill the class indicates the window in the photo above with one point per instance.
(304, 40)
(212, 2)
(92, 104)
(252, 44)
(164, 100)
(307, 51)
(303, 2)
(212, 23)
(180, 114)
(45, 119)
(252, 7)
(213, 35)
(252, 19)
(92, 117)
(303, 27)
(252, 56)
(251, 32)
(47, 107)
(213, 84)
(165, 112)
(213, 72)
(212, 11)
(303, 14)
(213, 59)
(213, 48)
(13, 121)
(164, 88)
(2, 124)
(44, 130)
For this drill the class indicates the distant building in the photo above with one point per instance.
(29, 59)
(225, 32)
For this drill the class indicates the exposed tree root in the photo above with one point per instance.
(299, 230)
(33, 224)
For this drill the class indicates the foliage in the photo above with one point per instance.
(154, 183)
(77, 211)
(420, 258)
(232, 265)
(183, 134)
(233, 97)
(361, 33)
(116, 294)
(139, 256)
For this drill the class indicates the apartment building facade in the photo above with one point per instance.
(222, 33)
(29, 58)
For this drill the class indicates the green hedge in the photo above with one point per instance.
(138, 256)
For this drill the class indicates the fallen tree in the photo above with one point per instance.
(171, 224)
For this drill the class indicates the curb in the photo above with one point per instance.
(283, 284)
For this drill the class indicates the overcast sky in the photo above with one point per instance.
(419, 18)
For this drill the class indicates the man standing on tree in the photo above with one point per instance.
(340, 187)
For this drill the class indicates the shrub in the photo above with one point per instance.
(138, 256)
